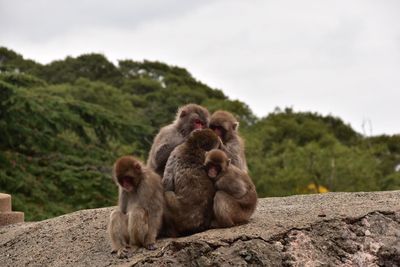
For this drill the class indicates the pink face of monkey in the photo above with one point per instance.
(216, 162)
(219, 130)
(127, 183)
(198, 124)
(192, 117)
(128, 173)
(213, 170)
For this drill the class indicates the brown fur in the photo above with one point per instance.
(191, 192)
(175, 134)
(236, 197)
(225, 123)
(140, 207)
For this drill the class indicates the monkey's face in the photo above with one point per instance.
(193, 117)
(130, 181)
(195, 121)
(219, 130)
(128, 173)
(126, 182)
(216, 162)
(213, 170)
(224, 125)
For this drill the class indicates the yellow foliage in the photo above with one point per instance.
(312, 188)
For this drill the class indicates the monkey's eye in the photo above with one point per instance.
(220, 131)
(217, 127)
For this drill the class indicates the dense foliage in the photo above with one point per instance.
(63, 124)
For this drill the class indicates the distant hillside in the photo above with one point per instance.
(63, 124)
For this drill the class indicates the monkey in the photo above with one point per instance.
(188, 190)
(226, 127)
(138, 219)
(188, 118)
(235, 199)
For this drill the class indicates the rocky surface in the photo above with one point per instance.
(7, 216)
(346, 229)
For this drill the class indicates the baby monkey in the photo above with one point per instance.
(236, 197)
(140, 206)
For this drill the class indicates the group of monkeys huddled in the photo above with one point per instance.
(195, 179)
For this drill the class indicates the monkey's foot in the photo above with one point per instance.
(151, 247)
(122, 253)
(133, 248)
(214, 224)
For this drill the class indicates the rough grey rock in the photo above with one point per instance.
(346, 229)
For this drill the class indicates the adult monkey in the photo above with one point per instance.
(189, 117)
(225, 125)
(189, 191)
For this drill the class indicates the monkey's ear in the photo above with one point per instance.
(137, 167)
(229, 162)
(183, 113)
(235, 125)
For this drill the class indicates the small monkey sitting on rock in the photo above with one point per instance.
(236, 197)
(138, 219)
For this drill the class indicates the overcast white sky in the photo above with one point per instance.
(339, 57)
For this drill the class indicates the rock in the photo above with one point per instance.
(11, 217)
(288, 231)
(5, 202)
(6, 215)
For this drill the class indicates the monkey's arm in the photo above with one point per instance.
(168, 177)
(169, 139)
(161, 148)
(235, 152)
(162, 154)
(122, 201)
(234, 187)
(222, 146)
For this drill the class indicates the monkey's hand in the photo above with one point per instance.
(171, 200)
(151, 247)
(221, 145)
(214, 224)
(122, 253)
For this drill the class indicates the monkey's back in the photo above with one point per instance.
(248, 201)
(153, 192)
(195, 191)
(234, 149)
(164, 142)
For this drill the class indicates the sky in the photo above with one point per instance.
(337, 57)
